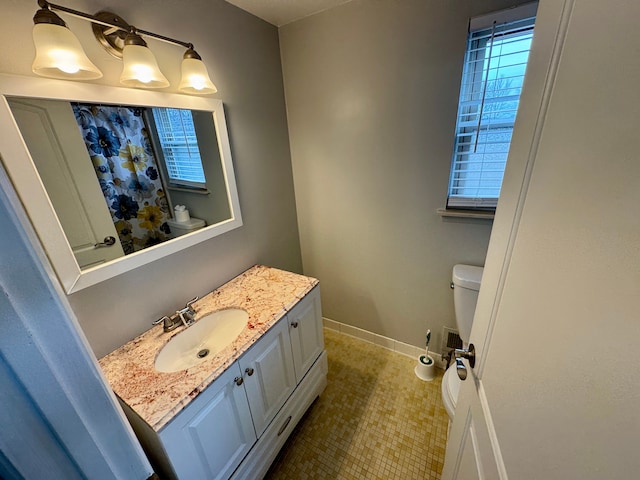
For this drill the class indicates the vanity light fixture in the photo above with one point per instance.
(60, 55)
(140, 68)
(195, 78)
(58, 51)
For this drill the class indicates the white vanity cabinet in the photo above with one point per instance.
(210, 437)
(236, 426)
(309, 362)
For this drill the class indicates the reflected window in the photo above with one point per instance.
(177, 139)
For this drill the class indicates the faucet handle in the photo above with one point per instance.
(192, 301)
(169, 323)
(160, 320)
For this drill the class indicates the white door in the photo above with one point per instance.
(53, 137)
(555, 393)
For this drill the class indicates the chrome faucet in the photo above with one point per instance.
(185, 316)
(188, 314)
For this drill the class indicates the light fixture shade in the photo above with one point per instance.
(141, 68)
(195, 78)
(60, 55)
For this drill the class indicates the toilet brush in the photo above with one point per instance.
(426, 354)
(424, 370)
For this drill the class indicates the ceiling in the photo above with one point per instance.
(281, 12)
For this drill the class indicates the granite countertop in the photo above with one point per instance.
(266, 293)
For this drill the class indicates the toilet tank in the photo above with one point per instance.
(466, 283)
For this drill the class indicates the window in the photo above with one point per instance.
(495, 63)
(177, 137)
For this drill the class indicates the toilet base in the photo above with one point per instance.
(450, 389)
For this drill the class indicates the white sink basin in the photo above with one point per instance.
(202, 340)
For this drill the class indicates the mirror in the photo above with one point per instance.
(100, 181)
(117, 172)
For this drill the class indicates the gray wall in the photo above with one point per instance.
(371, 90)
(242, 54)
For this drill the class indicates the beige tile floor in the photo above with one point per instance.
(375, 420)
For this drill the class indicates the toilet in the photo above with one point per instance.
(465, 283)
(182, 228)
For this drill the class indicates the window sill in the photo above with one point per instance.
(197, 191)
(443, 212)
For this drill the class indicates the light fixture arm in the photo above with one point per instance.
(106, 23)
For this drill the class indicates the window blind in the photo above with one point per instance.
(493, 75)
(177, 137)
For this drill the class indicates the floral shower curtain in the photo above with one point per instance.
(118, 144)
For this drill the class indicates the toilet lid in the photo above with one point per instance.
(450, 389)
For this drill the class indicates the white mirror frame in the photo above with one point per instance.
(25, 178)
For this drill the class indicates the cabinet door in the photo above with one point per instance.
(305, 329)
(211, 436)
(269, 377)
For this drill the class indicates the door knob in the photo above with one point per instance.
(469, 354)
(107, 242)
(461, 369)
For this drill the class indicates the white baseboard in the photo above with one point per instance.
(385, 342)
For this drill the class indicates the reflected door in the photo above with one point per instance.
(57, 149)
